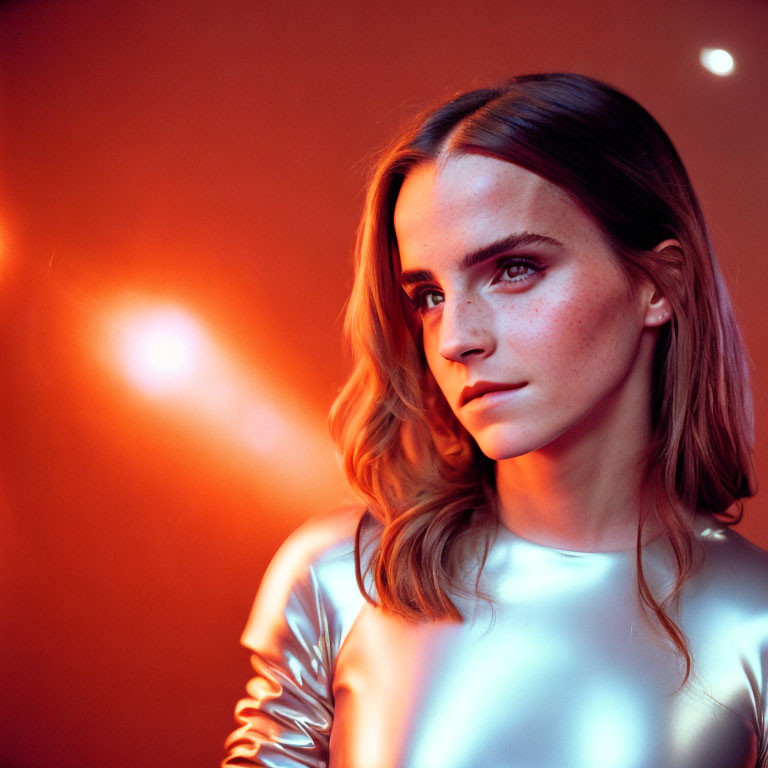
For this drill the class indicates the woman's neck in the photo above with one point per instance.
(586, 495)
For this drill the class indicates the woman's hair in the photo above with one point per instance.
(421, 475)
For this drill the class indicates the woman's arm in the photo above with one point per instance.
(286, 717)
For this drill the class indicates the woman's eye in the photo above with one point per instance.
(425, 299)
(516, 271)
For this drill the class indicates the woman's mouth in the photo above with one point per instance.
(488, 392)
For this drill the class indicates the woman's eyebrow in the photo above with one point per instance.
(506, 243)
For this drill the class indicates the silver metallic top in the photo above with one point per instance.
(560, 670)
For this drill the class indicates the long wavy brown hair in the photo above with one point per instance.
(425, 484)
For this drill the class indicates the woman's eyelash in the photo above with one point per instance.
(416, 300)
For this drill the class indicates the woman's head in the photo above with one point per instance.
(611, 163)
(529, 325)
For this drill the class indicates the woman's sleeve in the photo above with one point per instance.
(286, 717)
(762, 761)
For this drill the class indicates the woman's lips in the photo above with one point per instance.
(492, 398)
(488, 392)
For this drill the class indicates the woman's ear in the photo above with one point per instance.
(658, 309)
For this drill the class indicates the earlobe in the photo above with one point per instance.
(658, 309)
(658, 313)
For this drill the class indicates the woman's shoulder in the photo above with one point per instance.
(734, 568)
(731, 551)
(312, 575)
(319, 546)
(322, 538)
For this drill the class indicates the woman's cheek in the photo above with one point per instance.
(600, 345)
(565, 340)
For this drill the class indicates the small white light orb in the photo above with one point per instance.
(717, 61)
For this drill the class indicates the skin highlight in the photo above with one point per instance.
(571, 445)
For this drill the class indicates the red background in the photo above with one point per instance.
(214, 155)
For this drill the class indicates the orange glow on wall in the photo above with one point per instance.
(168, 355)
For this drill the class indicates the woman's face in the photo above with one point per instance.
(518, 294)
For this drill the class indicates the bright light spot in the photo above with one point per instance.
(161, 349)
(166, 352)
(612, 729)
(470, 693)
(717, 61)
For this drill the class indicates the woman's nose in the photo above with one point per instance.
(465, 330)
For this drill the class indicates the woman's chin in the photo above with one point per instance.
(504, 446)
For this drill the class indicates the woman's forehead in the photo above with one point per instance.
(471, 196)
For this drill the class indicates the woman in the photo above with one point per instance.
(549, 421)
